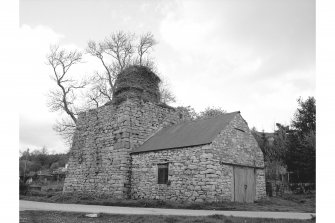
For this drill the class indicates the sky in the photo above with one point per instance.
(255, 56)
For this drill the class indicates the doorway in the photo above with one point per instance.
(244, 184)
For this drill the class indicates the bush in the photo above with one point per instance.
(38, 193)
(23, 188)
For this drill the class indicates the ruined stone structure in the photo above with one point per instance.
(100, 161)
(137, 148)
(137, 82)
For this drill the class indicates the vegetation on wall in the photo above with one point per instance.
(137, 82)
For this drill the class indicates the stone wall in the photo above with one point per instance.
(99, 161)
(195, 175)
(240, 147)
(260, 184)
(201, 173)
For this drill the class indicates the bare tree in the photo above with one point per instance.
(65, 128)
(188, 111)
(146, 44)
(120, 47)
(167, 96)
(63, 97)
(102, 83)
(115, 53)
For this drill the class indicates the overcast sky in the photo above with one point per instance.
(253, 56)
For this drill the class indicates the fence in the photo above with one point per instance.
(279, 188)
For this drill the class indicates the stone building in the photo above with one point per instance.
(212, 159)
(137, 148)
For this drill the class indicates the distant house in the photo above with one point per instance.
(44, 176)
(28, 177)
(268, 135)
(59, 174)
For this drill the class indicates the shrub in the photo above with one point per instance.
(23, 188)
(38, 193)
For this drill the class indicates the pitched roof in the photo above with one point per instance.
(186, 134)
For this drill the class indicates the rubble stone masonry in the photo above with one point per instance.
(100, 160)
(200, 173)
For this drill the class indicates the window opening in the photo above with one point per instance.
(163, 173)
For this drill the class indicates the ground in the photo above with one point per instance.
(67, 217)
(288, 203)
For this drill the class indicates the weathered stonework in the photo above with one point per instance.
(200, 173)
(100, 161)
(240, 148)
(195, 175)
(104, 162)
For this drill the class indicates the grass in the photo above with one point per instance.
(288, 203)
(67, 217)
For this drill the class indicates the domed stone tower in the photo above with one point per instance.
(137, 82)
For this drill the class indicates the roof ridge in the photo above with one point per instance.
(187, 133)
(206, 118)
(211, 117)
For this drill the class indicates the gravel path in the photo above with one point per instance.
(32, 205)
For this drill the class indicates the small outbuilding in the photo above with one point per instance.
(212, 160)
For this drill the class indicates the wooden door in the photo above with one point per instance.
(239, 182)
(244, 184)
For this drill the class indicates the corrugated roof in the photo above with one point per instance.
(186, 134)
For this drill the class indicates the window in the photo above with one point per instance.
(163, 172)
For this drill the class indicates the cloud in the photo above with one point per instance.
(34, 82)
(38, 133)
(280, 35)
(36, 120)
(257, 57)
